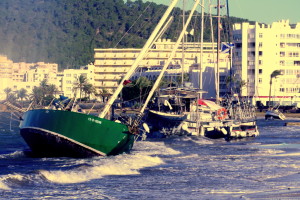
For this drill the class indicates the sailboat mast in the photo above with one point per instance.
(218, 53)
(183, 42)
(138, 59)
(201, 48)
(156, 84)
(230, 49)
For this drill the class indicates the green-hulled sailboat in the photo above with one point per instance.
(66, 133)
(50, 132)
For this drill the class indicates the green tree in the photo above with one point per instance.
(186, 78)
(44, 93)
(240, 85)
(142, 84)
(21, 94)
(230, 82)
(89, 89)
(137, 89)
(104, 93)
(67, 31)
(7, 92)
(81, 81)
(37, 95)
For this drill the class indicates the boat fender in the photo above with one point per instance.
(222, 113)
(185, 127)
(146, 127)
(224, 131)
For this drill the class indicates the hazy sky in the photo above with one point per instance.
(265, 11)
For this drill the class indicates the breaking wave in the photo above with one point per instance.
(15, 154)
(125, 164)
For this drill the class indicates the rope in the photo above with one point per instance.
(133, 24)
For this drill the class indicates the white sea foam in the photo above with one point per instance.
(125, 164)
(154, 148)
(15, 154)
(9, 177)
(288, 154)
(116, 166)
(203, 141)
(3, 186)
(270, 151)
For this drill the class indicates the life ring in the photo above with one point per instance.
(222, 113)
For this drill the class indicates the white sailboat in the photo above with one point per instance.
(234, 119)
(273, 111)
(176, 111)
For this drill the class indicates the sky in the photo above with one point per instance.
(263, 11)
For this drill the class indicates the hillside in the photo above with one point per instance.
(67, 31)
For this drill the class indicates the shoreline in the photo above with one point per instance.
(258, 114)
(291, 115)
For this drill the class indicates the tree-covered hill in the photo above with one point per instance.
(67, 31)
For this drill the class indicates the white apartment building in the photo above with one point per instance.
(69, 80)
(259, 50)
(112, 64)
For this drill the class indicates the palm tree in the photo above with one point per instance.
(231, 82)
(104, 93)
(274, 74)
(43, 86)
(142, 83)
(44, 92)
(51, 90)
(7, 92)
(22, 93)
(88, 89)
(81, 81)
(240, 85)
(37, 94)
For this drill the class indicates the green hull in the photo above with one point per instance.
(65, 133)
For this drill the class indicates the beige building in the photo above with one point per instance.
(29, 75)
(5, 75)
(112, 64)
(25, 75)
(261, 49)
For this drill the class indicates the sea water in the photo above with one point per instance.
(265, 167)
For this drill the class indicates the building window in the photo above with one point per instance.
(238, 45)
(297, 63)
(260, 71)
(252, 44)
(260, 35)
(251, 71)
(260, 44)
(260, 80)
(260, 62)
(251, 53)
(260, 53)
